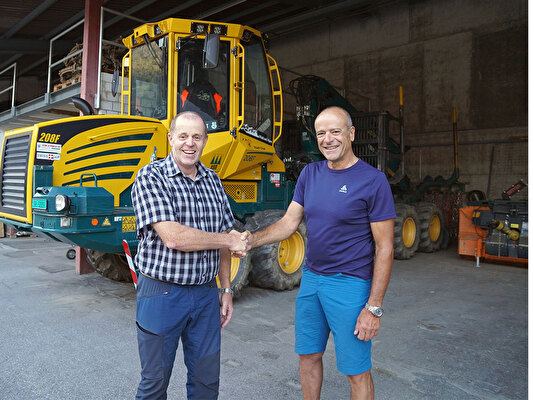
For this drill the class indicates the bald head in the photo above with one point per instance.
(186, 115)
(338, 111)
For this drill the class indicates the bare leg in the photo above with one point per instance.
(361, 386)
(311, 375)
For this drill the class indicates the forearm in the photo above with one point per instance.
(381, 274)
(280, 230)
(273, 233)
(180, 237)
(224, 269)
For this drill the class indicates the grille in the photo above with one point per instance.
(241, 192)
(13, 176)
(370, 138)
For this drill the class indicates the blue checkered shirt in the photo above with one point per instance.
(161, 192)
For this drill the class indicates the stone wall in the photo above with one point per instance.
(468, 54)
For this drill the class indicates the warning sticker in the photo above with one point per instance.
(275, 178)
(128, 224)
(48, 156)
(106, 222)
(48, 147)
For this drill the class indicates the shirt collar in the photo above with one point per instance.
(172, 169)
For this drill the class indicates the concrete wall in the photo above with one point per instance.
(468, 54)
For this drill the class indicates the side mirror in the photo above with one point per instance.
(210, 55)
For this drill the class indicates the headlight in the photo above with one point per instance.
(62, 202)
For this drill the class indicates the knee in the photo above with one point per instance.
(311, 359)
(363, 379)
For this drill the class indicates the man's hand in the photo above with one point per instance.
(237, 245)
(367, 325)
(227, 309)
(247, 238)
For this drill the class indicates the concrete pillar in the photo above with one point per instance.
(91, 43)
(82, 266)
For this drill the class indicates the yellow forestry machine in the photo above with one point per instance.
(71, 179)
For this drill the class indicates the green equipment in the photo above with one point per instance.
(71, 179)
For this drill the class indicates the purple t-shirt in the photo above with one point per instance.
(339, 206)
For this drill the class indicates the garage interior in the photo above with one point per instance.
(462, 66)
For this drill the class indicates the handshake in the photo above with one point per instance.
(240, 243)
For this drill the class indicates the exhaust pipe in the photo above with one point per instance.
(82, 105)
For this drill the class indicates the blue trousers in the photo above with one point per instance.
(167, 312)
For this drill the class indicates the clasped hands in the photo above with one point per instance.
(241, 243)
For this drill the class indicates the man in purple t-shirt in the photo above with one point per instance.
(349, 212)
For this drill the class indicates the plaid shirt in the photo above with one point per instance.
(161, 192)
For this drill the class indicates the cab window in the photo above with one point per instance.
(204, 90)
(258, 110)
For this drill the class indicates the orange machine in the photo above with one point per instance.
(483, 234)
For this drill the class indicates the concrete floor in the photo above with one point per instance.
(450, 331)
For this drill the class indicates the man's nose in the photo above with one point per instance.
(189, 141)
(328, 136)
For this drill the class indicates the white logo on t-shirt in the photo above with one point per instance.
(343, 189)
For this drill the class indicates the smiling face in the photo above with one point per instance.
(334, 137)
(188, 138)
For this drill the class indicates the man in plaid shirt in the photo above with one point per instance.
(182, 215)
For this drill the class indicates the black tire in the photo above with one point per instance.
(432, 227)
(109, 265)
(407, 231)
(239, 269)
(279, 265)
(71, 254)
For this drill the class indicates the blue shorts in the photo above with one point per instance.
(332, 304)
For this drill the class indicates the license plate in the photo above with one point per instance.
(39, 203)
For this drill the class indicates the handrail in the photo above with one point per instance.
(50, 64)
(278, 106)
(99, 75)
(12, 87)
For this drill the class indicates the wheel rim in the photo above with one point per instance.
(234, 268)
(408, 232)
(435, 228)
(291, 253)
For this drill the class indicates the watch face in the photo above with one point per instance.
(378, 312)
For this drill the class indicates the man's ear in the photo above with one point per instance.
(352, 133)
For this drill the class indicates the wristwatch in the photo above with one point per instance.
(226, 290)
(375, 310)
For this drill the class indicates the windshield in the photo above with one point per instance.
(203, 90)
(148, 73)
(258, 112)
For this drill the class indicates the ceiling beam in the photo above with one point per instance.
(319, 12)
(33, 46)
(28, 18)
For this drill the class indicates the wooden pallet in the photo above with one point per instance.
(67, 83)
